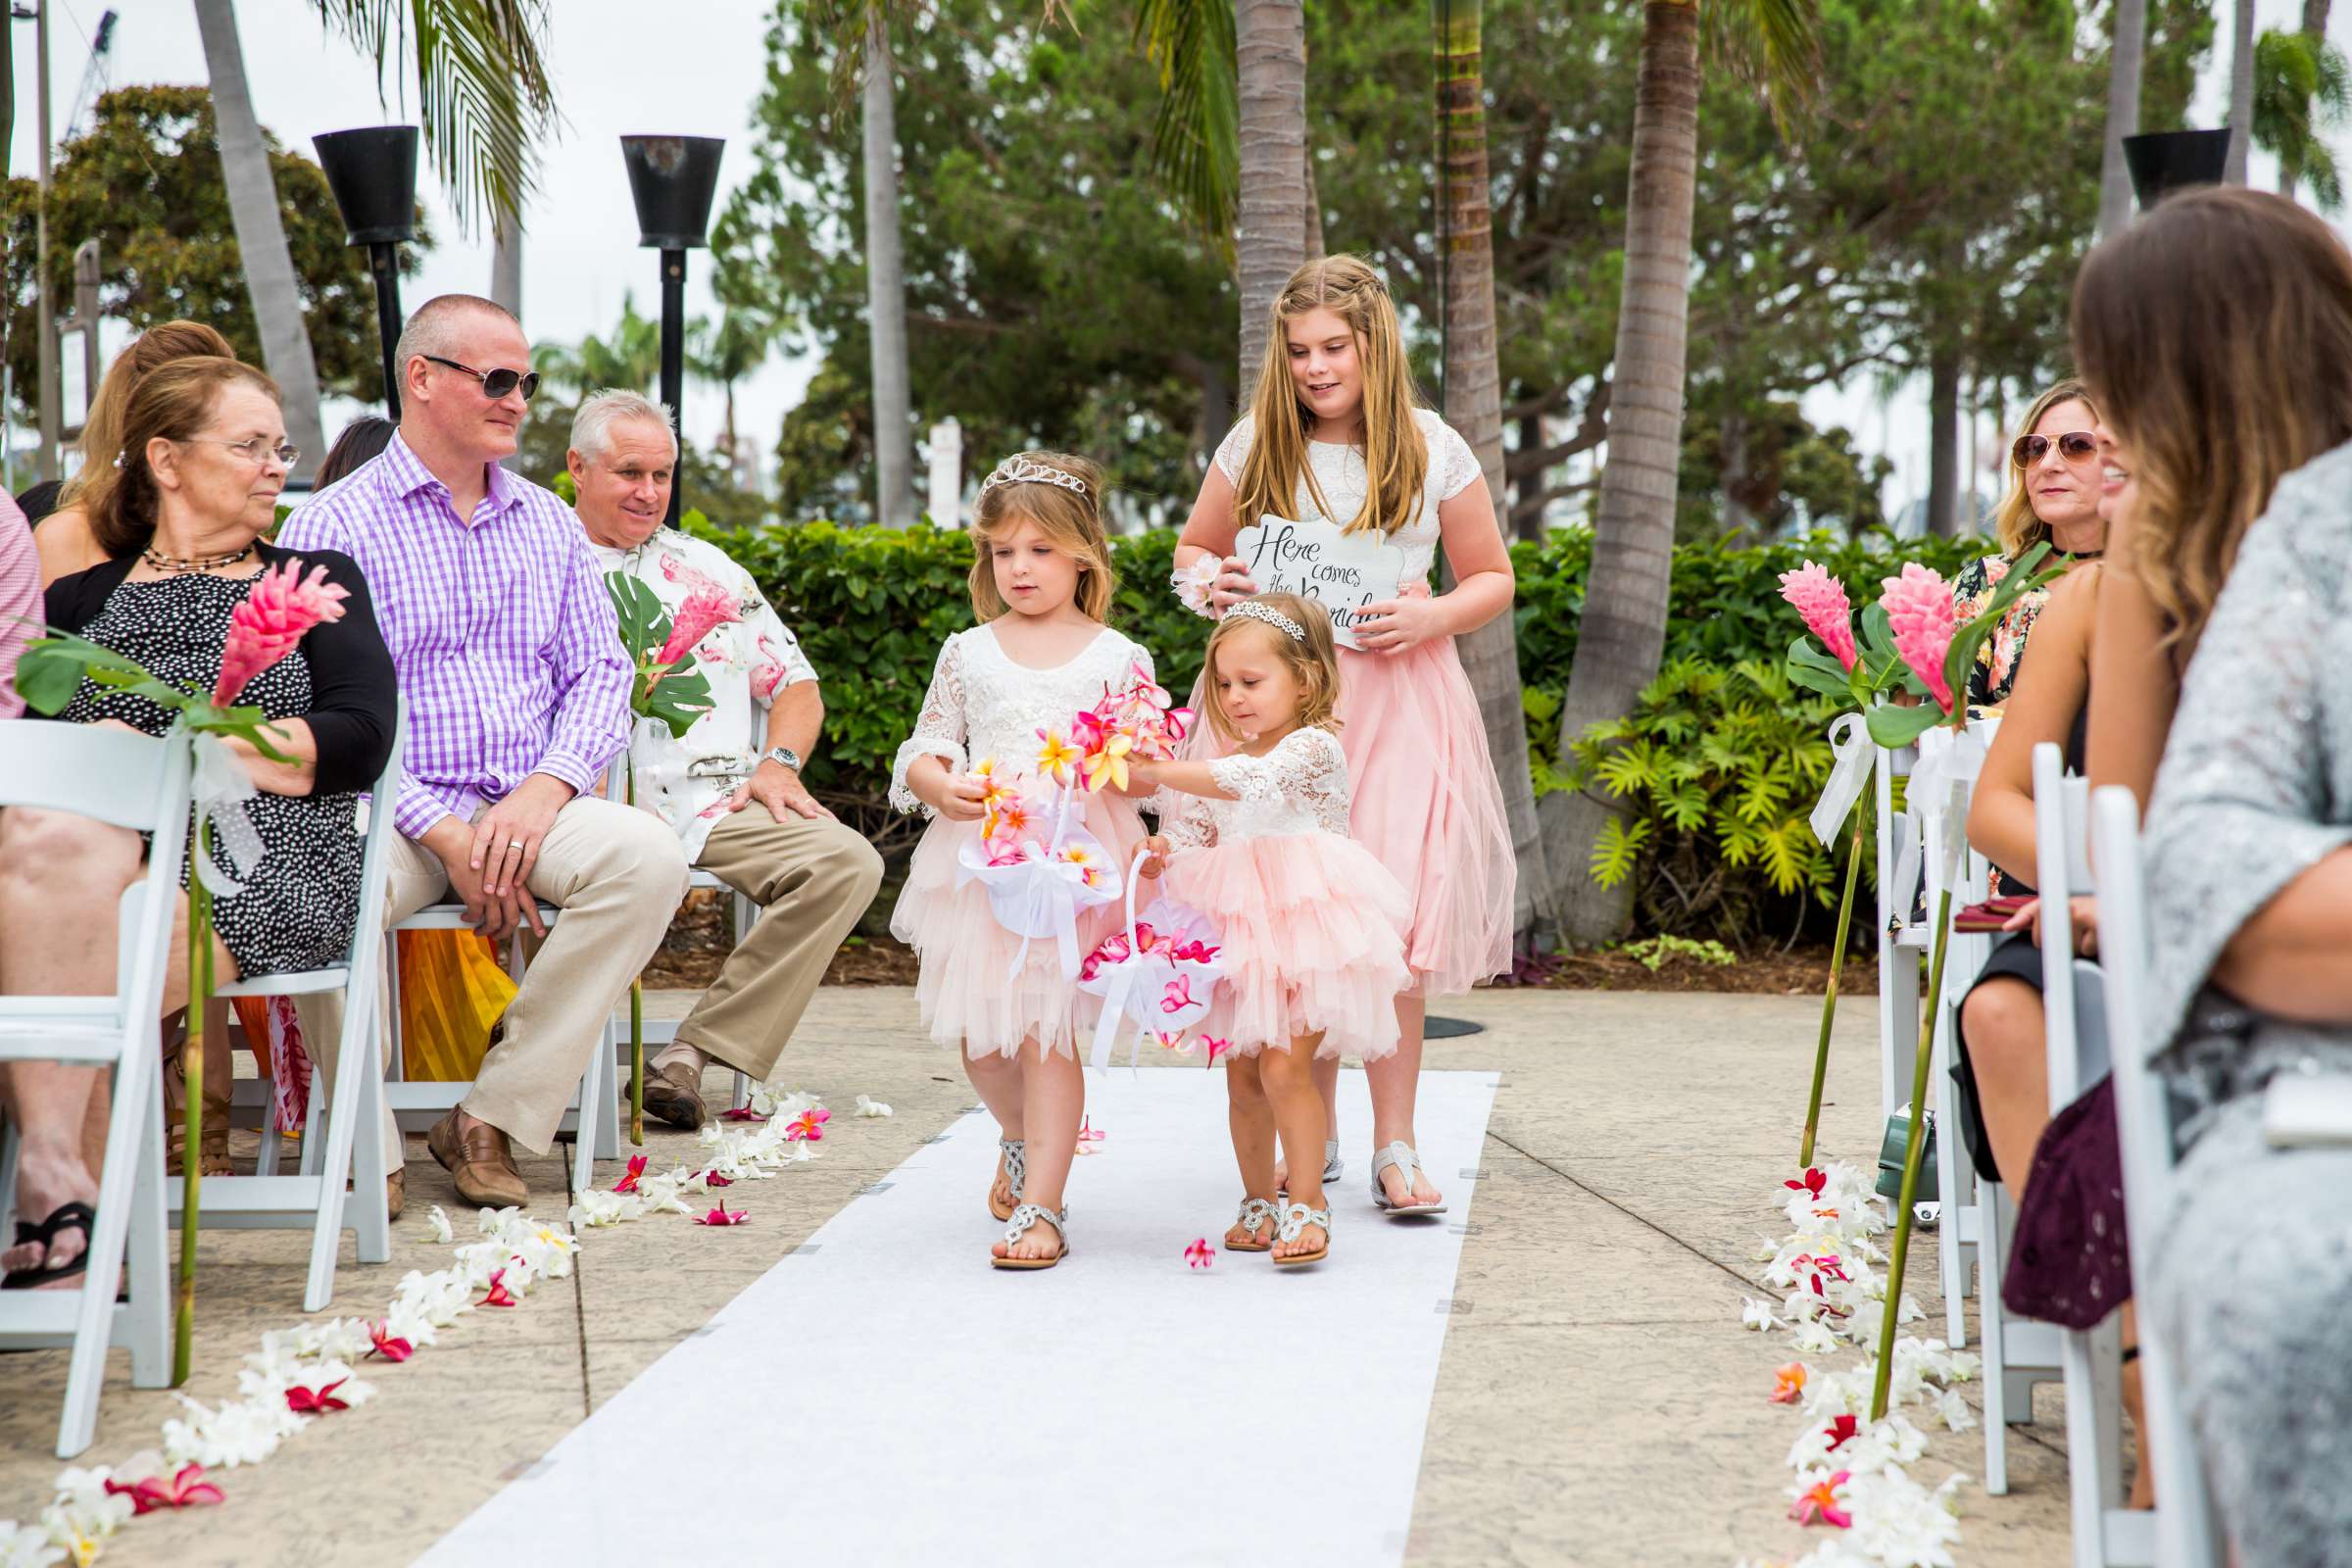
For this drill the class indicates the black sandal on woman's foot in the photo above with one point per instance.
(66, 1217)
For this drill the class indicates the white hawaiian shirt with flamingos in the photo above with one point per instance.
(747, 659)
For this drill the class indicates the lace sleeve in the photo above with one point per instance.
(1186, 822)
(939, 729)
(1451, 462)
(1234, 450)
(2244, 801)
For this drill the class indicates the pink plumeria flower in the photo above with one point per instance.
(722, 1215)
(1173, 1040)
(1088, 1137)
(1828, 614)
(1196, 951)
(320, 1400)
(499, 1295)
(1198, 1255)
(1789, 1385)
(1216, 1048)
(388, 1347)
(277, 609)
(1818, 1504)
(186, 1488)
(1919, 615)
(628, 1183)
(808, 1124)
(1178, 995)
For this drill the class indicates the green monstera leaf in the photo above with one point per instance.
(675, 695)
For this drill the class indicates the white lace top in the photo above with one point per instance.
(1345, 480)
(983, 705)
(1301, 786)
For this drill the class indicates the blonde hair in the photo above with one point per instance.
(102, 431)
(2015, 525)
(1313, 661)
(1395, 453)
(170, 404)
(1071, 521)
(2218, 332)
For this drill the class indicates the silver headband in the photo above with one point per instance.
(1273, 617)
(1021, 470)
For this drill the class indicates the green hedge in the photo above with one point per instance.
(1720, 766)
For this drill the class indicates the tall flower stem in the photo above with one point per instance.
(636, 1009)
(192, 1161)
(1829, 999)
(1914, 1152)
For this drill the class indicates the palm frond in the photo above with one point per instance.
(1776, 44)
(483, 90)
(1196, 137)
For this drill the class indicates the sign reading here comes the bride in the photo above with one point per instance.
(1341, 571)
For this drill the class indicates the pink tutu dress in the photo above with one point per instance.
(1427, 802)
(982, 707)
(1313, 925)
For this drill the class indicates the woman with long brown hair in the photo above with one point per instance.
(2217, 333)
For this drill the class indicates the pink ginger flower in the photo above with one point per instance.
(1828, 614)
(1920, 613)
(264, 628)
(705, 611)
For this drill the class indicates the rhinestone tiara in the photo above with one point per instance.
(1254, 610)
(1022, 471)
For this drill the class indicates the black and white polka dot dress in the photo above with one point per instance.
(300, 900)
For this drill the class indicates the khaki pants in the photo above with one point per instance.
(617, 874)
(812, 878)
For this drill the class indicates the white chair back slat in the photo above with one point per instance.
(138, 782)
(2186, 1525)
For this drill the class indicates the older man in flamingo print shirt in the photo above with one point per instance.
(510, 661)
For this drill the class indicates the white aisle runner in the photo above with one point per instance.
(882, 1396)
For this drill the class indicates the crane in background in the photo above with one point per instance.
(95, 77)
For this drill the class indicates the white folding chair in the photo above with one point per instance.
(136, 782)
(353, 1145)
(1901, 938)
(2186, 1527)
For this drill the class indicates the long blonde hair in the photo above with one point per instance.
(2015, 525)
(2218, 331)
(1395, 455)
(1070, 520)
(1313, 661)
(102, 431)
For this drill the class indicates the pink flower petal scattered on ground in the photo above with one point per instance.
(1819, 1504)
(741, 1113)
(628, 1183)
(388, 1346)
(185, 1489)
(1814, 1181)
(316, 1402)
(808, 1125)
(714, 1179)
(722, 1215)
(1840, 1432)
(499, 1295)
(1198, 1255)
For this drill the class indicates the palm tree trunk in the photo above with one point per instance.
(1527, 508)
(2122, 113)
(1314, 211)
(1270, 238)
(506, 283)
(1624, 629)
(1474, 406)
(2242, 93)
(261, 233)
(886, 288)
(1944, 441)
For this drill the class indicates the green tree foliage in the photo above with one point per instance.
(145, 182)
(2302, 89)
(1054, 295)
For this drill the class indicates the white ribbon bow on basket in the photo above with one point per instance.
(221, 787)
(1161, 971)
(1036, 890)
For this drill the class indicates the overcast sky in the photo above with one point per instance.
(688, 66)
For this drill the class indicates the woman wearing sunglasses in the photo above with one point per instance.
(2055, 498)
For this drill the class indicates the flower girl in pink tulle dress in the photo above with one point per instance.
(1313, 924)
(1041, 584)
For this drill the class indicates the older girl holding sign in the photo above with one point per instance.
(1333, 435)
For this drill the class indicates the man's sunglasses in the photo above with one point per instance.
(498, 383)
(2074, 447)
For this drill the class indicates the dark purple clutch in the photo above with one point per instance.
(2070, 1262)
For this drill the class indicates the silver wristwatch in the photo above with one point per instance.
(784, 754)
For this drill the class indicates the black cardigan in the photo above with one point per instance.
(354, 698)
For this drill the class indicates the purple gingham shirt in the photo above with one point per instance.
(501, 630)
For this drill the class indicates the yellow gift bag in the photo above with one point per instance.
(452, 990)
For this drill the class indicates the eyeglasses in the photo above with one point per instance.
(495, 383)
(2074, 447)
(257, 450)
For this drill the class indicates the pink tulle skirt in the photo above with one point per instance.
(1313, 934)
(1427, 805)
(966, 985)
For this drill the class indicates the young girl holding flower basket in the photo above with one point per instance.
(1041, 585)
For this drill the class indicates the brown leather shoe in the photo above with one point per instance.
(396, 1191)
(482, 1162)
(673, 1095)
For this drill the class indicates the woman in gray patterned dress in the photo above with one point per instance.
(2218, 334)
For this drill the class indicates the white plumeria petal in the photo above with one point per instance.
(27, 1547)
(439, 1223)
(1815, 1338)
(1756, 1315)
(871, 1108)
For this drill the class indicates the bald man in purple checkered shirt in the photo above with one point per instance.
(517, 691)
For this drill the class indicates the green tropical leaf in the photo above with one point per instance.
(1809, 667)
(1618, 850)
(1892, 726)
(643, 623)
